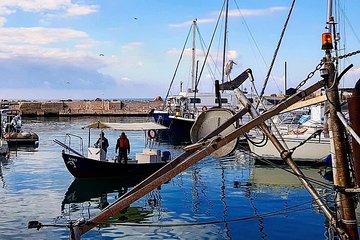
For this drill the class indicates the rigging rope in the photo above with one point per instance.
(276, 51)
(177, 65)
(211, 41)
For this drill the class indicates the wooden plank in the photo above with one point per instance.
(305, 103)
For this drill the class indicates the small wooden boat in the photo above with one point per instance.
(96, 165)
(11, 130)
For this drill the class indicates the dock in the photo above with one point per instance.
(96, 107)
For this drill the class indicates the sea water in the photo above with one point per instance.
(227, 198)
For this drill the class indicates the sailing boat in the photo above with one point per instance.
(182, 110)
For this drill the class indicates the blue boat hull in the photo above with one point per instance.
(178, 131)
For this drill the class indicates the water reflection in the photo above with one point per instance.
(87, 197)
(4, 162)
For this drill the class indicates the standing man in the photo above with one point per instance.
(102, 142)
(123, 145)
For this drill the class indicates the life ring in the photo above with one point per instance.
(204, 108)
(151, 134)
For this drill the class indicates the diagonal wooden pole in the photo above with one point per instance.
(194, 153)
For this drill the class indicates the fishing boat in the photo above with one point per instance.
(96, 165)
(181, 110)
(12, 132)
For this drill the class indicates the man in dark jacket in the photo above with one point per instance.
(102, 142)
(123, 145)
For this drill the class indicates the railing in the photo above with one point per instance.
(68, 141)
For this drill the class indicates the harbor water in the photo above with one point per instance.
(227, 198)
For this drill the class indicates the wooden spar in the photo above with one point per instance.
(183, 156)
(346, 202)
(265, 116)
(193, 154)
(305, 103)
(180, 158)
(286, 156)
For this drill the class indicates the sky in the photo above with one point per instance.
(115, 49)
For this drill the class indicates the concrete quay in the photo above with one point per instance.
(83, 107)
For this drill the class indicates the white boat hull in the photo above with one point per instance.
(313, 150)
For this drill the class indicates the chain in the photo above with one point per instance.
(349, 54)
(310, 75)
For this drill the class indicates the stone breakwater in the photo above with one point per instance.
(84, 107)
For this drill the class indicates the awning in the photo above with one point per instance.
(144, 126)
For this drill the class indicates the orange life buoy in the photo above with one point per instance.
(152, 134)
(204, 108)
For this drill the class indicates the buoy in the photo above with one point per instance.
(152, 134)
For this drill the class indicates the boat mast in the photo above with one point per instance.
(193, 77)
(342, 179)
(225, 40)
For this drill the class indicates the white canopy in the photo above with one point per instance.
(144, 126)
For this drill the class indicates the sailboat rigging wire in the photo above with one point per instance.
(208, 51)
(204, 47)
(276, 51)
(283, 211)
(177, 65)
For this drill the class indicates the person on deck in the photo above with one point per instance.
(123, 145)
(102, 142)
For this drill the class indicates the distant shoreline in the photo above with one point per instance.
(97, 107)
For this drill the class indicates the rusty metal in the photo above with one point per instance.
(193, 154)
(354, 114)
(347, 206)
(286, 156)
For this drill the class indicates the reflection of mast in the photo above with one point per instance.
(259, 217)
(1, 176)
(223, 200)
(195, 194)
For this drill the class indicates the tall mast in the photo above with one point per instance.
(342, 179)
(225, 40)
(193, 76)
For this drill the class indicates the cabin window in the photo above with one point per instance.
(223, 100)
(195, 100)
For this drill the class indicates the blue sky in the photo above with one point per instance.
(61, 49)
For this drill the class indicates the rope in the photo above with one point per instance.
(178, 64)
(287, 210)
(276, 50)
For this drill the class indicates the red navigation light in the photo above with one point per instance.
(326, 41)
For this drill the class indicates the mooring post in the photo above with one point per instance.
(345, 200)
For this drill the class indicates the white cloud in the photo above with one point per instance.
(2, 21)
(39, 35)
(232, 13)
(6, 11)
(256, 12)
(188, 23)
(76, 10)
(132, 46)
(232, 54)
(71, 9)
